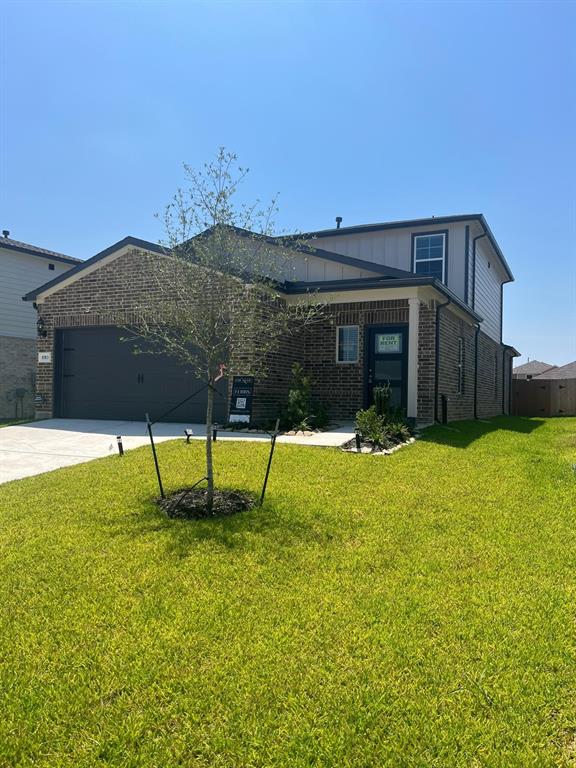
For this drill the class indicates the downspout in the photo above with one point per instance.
(510, 363)
(437, 357)
(503, 381)
(478, 237)
(476, 370)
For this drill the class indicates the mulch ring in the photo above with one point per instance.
(190, 503)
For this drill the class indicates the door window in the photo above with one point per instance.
(388, 343)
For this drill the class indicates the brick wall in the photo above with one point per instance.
(453, 328)
(340, 386)
(113, 293)
(17, 372)
(490, 378)
(426, 362)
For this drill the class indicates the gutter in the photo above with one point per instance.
(365, 283)
(437, 357)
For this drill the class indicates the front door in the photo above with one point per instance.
(387, 362)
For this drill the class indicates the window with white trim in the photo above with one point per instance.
(347, 344)
(430, 255)
(460, 365)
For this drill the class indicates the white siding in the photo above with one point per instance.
(487, 293)
(393, 247)
(19, 274)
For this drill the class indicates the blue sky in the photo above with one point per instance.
(372, 111)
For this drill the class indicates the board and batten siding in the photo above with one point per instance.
(19, 274)
(310, 268)
(393, 247)
(487, 295)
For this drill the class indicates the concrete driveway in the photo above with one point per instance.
(41, 446)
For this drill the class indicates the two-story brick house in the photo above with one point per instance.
(418, 304)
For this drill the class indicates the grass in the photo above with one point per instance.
(413, 610)
(13, 422)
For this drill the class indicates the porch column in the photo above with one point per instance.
(413, 326)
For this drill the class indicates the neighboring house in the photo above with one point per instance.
(22, 268)
(417, 303)
(551, 393)
(531, 369)
(567, 371)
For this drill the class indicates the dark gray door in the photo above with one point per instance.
(387, 362)
(98, 376)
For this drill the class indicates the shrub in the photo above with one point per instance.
(371, 425)
(298, 407)
(399, 431)
(300, 413)
(381, 397)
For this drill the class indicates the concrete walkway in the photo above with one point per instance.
(41, 446)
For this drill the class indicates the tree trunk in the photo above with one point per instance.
(209, 464)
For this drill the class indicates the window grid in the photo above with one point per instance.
(430, 255)
(347, 344)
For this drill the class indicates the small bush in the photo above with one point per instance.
(297, 412)
(381, 397)
(398, 431)
(371, 425)
(300, 413)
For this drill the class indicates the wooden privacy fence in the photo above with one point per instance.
(544, 397)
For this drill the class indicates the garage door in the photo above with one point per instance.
(98, 376)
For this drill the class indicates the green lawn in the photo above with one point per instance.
(411, 610)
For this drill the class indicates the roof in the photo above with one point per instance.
(431, 221)
(34, 250)
(135, 241)
(306, 248)
(533, 368)
(363, 283)
(567, 371)
(379, 269)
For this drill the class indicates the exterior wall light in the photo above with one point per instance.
(41, 328)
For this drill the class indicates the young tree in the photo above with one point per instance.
(214, 301)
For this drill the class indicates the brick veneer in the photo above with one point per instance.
(111, 294)
(341, 385)
(452, 328)
(17, 372)
(426, 362)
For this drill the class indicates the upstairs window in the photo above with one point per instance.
(347, 344)
(460, 365)
(430, 255)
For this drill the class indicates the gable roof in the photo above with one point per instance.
(532, 368)
(34, 250)
(135, 241)
(567, 371)
(307, 249)
(428, 222)
(376, 269)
